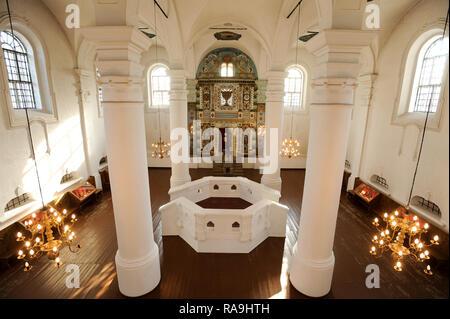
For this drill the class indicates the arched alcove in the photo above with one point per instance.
(243, 65)
(227, 96)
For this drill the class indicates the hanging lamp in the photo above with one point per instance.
(291, 147)
(161, 149)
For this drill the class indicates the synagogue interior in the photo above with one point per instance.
(197, 149)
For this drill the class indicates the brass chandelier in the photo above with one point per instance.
(402, 235)
(161, 149)
(291, 147)
(41, 239)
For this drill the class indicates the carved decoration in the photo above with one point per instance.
(244, 68)
(227, 35)
(228, 102)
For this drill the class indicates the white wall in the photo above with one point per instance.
(59, 143)
(390, 150)
(300, 125)
(152, 115)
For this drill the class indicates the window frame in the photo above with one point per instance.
(39, 62)
(228, 66)
(410, 58)
(302, 107)
(23, 79)
(150, 90)
(418, 74)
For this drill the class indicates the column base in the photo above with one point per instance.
(311, 277)
(174, 182)
(138, 277)
(271, 182)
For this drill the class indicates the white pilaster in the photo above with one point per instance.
(84, 91)
(337, 53)
(118, 52)
(178, 119)
(359, 125)
(274, 119)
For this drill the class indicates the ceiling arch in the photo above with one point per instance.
(268, 34)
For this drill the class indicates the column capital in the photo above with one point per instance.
(118, 48)
(116, 38)
(338, 52)
(178, 95)
(275, 82)
(339, 40)
(177, 80)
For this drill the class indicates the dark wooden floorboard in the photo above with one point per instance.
(187, 274)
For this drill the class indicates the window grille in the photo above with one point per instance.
(19, 74)
(431, 77)
(18, 201)
(428, 205)
(160, 86)
(293, 88)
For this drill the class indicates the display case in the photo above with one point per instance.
(82, 192)
(76, 197)
(366, 193)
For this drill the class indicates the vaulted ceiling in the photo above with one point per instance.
(188, 33)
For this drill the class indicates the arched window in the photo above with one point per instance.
(159, 86)
(294, 88)
(429, 75)
(227, 70)
(19, 72)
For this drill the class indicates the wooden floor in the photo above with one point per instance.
(187, 274)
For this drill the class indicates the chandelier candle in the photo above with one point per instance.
(41, 239)
(402, 235)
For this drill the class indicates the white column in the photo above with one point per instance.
(360, 123)
(274, 119)
(178, 119)
(337, 52)
(118, 52)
